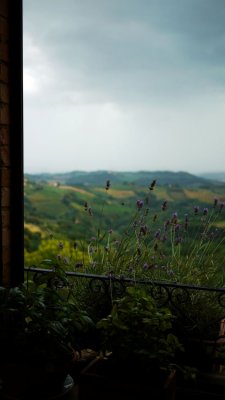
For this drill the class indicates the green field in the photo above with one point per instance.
(60, 209)
(58, 212)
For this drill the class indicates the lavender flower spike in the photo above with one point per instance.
(196, 209)
(108, 184)
(139, 204)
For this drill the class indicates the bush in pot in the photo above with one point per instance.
(40, 331)
(199, 324)
(140, 346)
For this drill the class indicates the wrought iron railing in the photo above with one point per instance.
(164, 290)
(199, 310)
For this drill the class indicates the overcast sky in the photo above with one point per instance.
(124, 85)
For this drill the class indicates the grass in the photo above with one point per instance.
(83, 192)
(148, 241)
(33, 228)
(205, 196)
(117, 193)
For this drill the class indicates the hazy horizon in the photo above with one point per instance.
(127, 85)
(122, 171)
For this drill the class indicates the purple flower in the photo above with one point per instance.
(196, 209)
(166, 224)
(143, 230)
(139, 204)
(108, 184)
(215, 202)
(164, 205)
(178, 241)
(170, 272)
(152, 185)
(158, 234)
(111, 274)
(205, 211)
(222, 204)
(79, 265)
(145, 266)
(60, 244)
(174, 218)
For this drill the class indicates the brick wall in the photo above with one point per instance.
(4, 143)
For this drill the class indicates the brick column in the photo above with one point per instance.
(11, 162)
(4, 142)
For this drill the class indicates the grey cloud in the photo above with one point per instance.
(128, 68)
(128, 50)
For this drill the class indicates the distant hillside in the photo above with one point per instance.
(215, 176)
(140, 178)
(76, 205)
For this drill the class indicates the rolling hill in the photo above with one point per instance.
(140, 178)
(55, 202)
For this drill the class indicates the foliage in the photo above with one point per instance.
(169, 234)
(137, 329)
(199, 316)
(180, 245)
(183, 245)
(63, 253)
(39, 323)
(32, 240)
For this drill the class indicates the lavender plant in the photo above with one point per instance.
(184, 248)
(177, 245)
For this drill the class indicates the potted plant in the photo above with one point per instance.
(138, 350)
(200, 325)
(41, 329)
